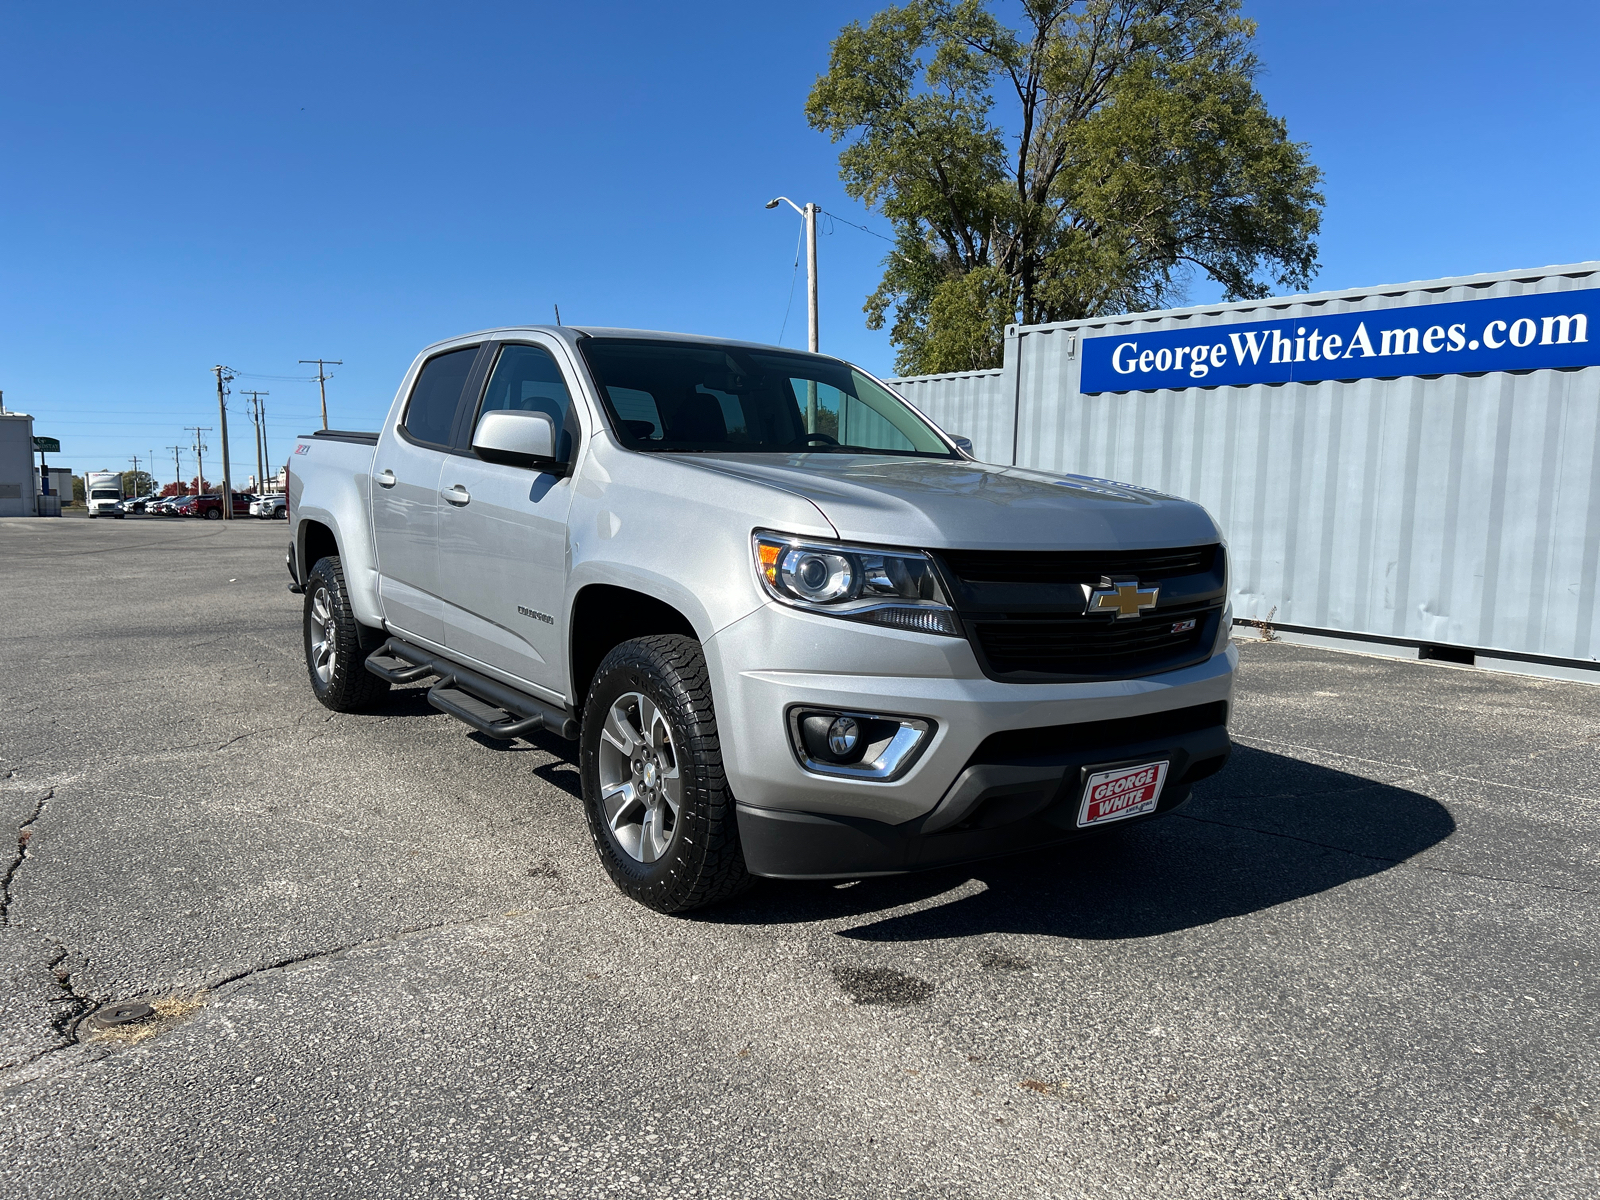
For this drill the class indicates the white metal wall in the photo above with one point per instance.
(1454, 509)
(18, 479)
(976, 404)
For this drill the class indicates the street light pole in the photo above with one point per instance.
(809, 214)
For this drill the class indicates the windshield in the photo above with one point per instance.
(688, 396)
(103, 494)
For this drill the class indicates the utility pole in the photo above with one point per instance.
(322, 380)
(266, 451)
(200, 449)
(135, 461)
(255, 415)
(177, 467)
(809, 213)
(224, 375)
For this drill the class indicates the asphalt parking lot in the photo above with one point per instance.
(385, 961)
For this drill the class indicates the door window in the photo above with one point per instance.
(527, 379)
(431, 414)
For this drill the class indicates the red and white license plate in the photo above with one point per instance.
(1121, 792)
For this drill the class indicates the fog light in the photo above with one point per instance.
(843, 735)
(875, 746)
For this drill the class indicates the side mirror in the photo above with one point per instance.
(963, 444)
(517, 438)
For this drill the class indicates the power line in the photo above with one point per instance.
(793, 277)
(863, 228)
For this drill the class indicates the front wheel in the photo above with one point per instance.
(657, 801)
(337, 644)
(213, 514)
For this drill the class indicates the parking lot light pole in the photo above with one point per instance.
(809, 213)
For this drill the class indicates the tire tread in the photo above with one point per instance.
(711, 855)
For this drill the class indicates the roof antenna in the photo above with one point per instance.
(557, 307)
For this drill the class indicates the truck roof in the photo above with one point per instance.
(572, 333)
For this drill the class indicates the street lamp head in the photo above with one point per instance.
(773, 203)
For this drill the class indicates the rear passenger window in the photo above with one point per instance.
(527, 379)
(432, 412)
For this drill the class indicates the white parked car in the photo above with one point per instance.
(274, 508)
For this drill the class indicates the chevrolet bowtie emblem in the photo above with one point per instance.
(1124, 595)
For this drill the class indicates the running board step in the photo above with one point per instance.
(395, 669)
(482, 716)
(487, 705)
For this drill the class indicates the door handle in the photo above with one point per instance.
(385, 478)
(456, 495)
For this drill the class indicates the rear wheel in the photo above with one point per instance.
(654, 792)
(337, 644)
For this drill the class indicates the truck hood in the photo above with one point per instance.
(948, 504)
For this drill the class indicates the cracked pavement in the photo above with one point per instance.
(1361, 962)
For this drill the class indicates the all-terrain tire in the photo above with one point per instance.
(703, 863)
(344, 684)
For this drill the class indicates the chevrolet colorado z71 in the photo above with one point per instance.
(795, 629)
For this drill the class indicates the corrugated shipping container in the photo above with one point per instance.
(1456, 509)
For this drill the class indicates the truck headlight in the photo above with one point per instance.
(898, 588)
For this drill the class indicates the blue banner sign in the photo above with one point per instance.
(1516, 333)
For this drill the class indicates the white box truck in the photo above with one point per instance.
(103, 494)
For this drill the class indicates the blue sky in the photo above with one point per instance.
(187, 185)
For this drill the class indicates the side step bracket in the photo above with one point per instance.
(487, 705)
(485, 718)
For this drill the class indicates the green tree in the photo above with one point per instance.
(1139, 153)
(137, 483)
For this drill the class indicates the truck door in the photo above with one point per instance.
(405, 496)
(503, 532)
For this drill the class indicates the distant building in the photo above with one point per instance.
(19, 482)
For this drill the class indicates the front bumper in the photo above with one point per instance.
(799, 824)
(1006, 804)
(849, 666)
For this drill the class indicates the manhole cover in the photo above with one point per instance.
(120, 1014)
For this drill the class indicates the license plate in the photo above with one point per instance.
(1121, 792)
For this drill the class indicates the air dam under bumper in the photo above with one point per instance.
(1011, 801)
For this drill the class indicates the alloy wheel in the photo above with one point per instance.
(641, 786)
(320, 625)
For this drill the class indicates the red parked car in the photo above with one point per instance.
(210, 507)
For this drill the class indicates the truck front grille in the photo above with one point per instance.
(1093, 645)
(1029, 620)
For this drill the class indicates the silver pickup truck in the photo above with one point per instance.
(795, 629)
